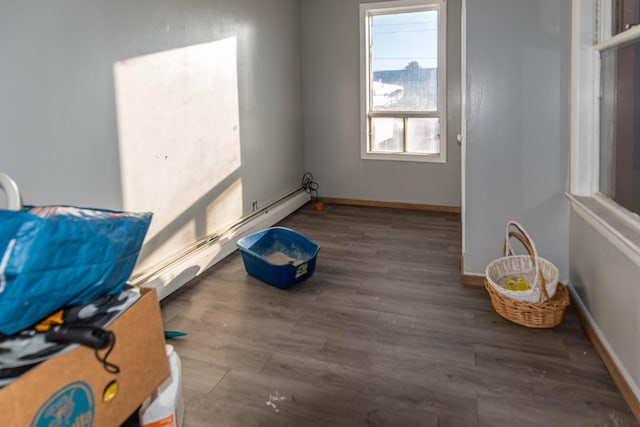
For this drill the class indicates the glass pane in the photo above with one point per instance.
(423, 136)
(387, 135)
(620, 125)
(404, 61)
(626, 13)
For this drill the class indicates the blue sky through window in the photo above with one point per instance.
(401, 38)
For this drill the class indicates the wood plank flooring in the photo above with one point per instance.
(382, 334)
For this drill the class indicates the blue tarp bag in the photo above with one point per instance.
(56, 256)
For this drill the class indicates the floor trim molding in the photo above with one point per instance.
(470, 279)
(394, 205)
(601, 348)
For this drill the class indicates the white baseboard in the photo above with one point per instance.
(208, 252)
(623, 379)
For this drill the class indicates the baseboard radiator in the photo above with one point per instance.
(196, 259)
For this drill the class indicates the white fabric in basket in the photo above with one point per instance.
(513, 266)
(501, 269)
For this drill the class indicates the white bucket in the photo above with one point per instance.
(165, 407)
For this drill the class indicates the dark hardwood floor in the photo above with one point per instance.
(382, 334)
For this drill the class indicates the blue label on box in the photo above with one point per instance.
(72, 405)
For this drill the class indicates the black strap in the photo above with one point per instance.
(108, 366)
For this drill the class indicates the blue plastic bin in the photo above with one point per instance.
(279, 256)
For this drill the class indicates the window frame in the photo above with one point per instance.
(366, 10)
(591, 34)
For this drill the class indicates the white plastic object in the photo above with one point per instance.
(165, 407)
(14, 201)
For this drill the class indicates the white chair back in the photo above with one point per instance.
(14, 201)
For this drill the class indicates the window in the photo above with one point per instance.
(403, 80)
(619, 106)
(619, 173)
(605, 105)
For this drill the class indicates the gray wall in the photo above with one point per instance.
(331, 91)
(517, 136)
(58, 122)
(606, 280)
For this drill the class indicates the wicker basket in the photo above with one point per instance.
(546, 314)
(534, 268)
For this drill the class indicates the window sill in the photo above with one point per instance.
(620, 227)
(426, 158)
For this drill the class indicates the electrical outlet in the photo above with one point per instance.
(255, 205)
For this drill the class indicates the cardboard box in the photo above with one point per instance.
(70, 389)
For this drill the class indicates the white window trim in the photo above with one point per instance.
(586, 44)
(365, 9)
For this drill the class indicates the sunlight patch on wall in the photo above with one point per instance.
(227, 207)
(179, 141)
(221, 213)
